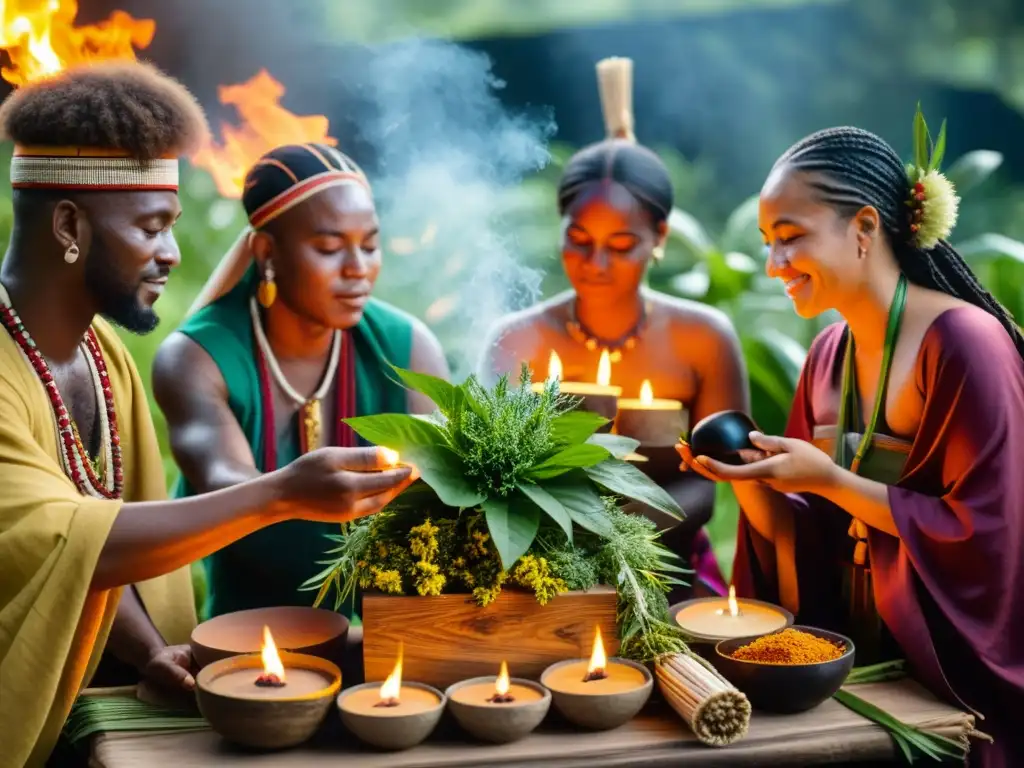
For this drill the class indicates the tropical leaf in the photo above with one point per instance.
(552, 506)
(973, 168)
(992, 245)
(619, 446)
(690, 232)
(446, 396)
(577, 495)
(575, 427)
(573, 457)
(624, 479)
(397, 431)
(513, 525)
(939, 150)
(740, 232)
(921, 139)
(442, 470)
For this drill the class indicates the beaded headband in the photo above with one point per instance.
(301, 191)
(88, 168)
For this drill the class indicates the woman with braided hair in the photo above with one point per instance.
(893, 508)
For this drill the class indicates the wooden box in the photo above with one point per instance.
(449, 638)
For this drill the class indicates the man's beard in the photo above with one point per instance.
(119, 303)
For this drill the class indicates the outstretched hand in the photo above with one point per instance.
(785, 464)
(342, 484)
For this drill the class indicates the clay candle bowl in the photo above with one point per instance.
(722, 435)
(785, 688)
(599, 693)
(712, 619)
(270, 700)
(500, 709)
(310, 631)
(653, 421)
(394, 715)
(601, 397)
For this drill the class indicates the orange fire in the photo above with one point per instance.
(391, 689)
(272, 666)
(502, 683)
(598, 659)
(40, 38)
(265, 125)
(646, 393)
(388, 456)
(554, 367)
(604, 369)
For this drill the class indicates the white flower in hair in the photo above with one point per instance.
(933, 201)
(939, 206)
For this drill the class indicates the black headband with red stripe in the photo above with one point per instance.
(286, 176)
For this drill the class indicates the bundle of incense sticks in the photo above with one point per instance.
(717, 713)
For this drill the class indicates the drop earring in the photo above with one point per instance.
(71, 254)
(658, 252)
(862, 252)
(267, 291)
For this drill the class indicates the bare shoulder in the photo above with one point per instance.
(427, 355)
(512, 329)
(692, 317)
(181, 366)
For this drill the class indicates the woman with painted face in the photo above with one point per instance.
(615, 198)
(893, 508)
(285, 343)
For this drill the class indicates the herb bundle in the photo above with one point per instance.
(517, 489)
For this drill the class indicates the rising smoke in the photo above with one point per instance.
(447, 154)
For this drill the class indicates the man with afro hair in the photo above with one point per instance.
(88, 539)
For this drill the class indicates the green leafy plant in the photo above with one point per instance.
(517, 489)
(517, 454)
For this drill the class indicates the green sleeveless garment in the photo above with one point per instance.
(867, 450)
(266, 568)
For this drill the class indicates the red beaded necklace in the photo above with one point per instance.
(74, 456)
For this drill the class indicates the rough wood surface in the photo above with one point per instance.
(449, 638)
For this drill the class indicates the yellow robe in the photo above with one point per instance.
(53, 625)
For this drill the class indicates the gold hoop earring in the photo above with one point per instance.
(71, 254)
(658, 252)
(267, 292)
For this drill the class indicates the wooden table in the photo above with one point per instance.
(829, 734)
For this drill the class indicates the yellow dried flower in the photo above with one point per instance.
(389, 582)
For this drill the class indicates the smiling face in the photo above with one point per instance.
(816, 251)
(128, 250)
(326, 255)
(607, 243)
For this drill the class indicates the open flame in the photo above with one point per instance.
(554, 367)
(388, 456)
(604, 369)
(41, 39)
(598, 659)
(734, 607)
(392, 687)
(272, 666)
(265, 125)
(646, 393)
(501, 684)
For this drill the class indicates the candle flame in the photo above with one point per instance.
(604, 369)
(646, 393)
(598, 660)
(734, 607)
(388, 456)
(554, 367)
(272, 665)
(393, 685)
(501, 685)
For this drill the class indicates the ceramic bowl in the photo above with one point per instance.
(785, 688)
(722, 435)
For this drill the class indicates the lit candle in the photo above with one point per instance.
(600, 397)
(389, 457)
(653, 421)
(598, 692)
(715, 618)
(271, 700)
(498, 709)
(393, 715)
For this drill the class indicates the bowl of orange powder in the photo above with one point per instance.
(789, 671)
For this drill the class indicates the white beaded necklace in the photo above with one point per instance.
(309, 408)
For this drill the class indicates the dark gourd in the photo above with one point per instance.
(722, 435)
